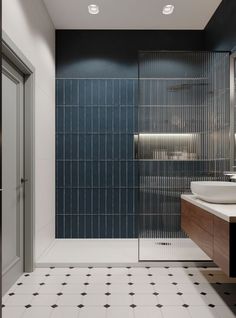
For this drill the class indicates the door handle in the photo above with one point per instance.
(22, 180)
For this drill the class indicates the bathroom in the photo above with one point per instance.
(122, 159)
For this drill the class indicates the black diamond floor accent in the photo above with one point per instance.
(147, 267)
(130, 283)
(170, 274)
(59, 294)
(64, 284)
(88, 275)
(190, 275)
(211, 305)
(155, 294)
(28, 306)
(47, 275)
(109, 275)
(41, 284)
(52, 267)
(19, 284)
(71, 267)
(107, 306)
(218, 283)
(90, 267)
(152, 283)
(167, 267)
(80, 306)
(186, 267)
(159, 305)
(35, 294)
(210, 274)
(3, 306)
(149, 274)
(86, 284)
(180, 294)
(11, 294)
(185, 305)
(107, 294)
(84, 294)
(174, 283)
(108, 284)
(133, 306)
(54, 306)
(202, 293)
(128, 267)
(129, 274)
(196, 283)
(109, 267)
(131, 294)
(67, 275)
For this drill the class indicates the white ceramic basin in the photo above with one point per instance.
(215, 191)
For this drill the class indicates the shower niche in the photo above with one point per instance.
(184, 126)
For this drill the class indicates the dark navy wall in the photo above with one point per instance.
(115, 53)
(96, 111)
(221, 30)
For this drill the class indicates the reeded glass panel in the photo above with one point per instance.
(184, 122)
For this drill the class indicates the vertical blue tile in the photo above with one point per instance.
(60, 89)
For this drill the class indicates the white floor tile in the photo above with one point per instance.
(56, 280)
(170, 300)
(95, 300)
(142, 288)
(166, 288)
(70, 300)
(120, 288)
(50, 289)
(119, 312)
(27, 289)
(91, 312)
(74, 289)
(37, 312)
(97, 289)
(176, 312)
(65, 312)
(44, 300)
(147, 312)
(120, 300)
(19, 300)
(13, 312)
(195, 300)
(145, 300)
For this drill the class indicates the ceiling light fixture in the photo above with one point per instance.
(168, 9)
(93, 9)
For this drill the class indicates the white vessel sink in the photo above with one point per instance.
(215, 191)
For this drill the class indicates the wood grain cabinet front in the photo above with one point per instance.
(216, 237)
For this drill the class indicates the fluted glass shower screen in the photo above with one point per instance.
(184, 126)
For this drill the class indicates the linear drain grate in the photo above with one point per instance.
(162, 243)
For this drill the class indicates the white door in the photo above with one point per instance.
(12, 174)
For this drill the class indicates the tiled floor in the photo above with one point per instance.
(138, 292)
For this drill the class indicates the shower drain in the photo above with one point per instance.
(162, 243)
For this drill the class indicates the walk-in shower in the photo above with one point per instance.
(128, 147)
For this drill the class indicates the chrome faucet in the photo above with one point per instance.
(231, 174)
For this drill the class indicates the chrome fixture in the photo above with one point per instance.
(93, 9)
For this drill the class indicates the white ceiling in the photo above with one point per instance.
(131, 14)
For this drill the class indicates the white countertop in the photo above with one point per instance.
(226, 212)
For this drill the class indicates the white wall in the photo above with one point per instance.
(29, 26)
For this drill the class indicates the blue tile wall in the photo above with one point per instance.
(96, 173)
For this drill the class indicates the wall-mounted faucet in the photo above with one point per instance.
(231, 174)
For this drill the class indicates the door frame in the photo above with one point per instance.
(232, 109)
(15, 57)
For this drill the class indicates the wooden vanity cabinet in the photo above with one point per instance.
(215, 236)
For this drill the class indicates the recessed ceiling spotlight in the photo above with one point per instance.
(168, 9)
(93, 9)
